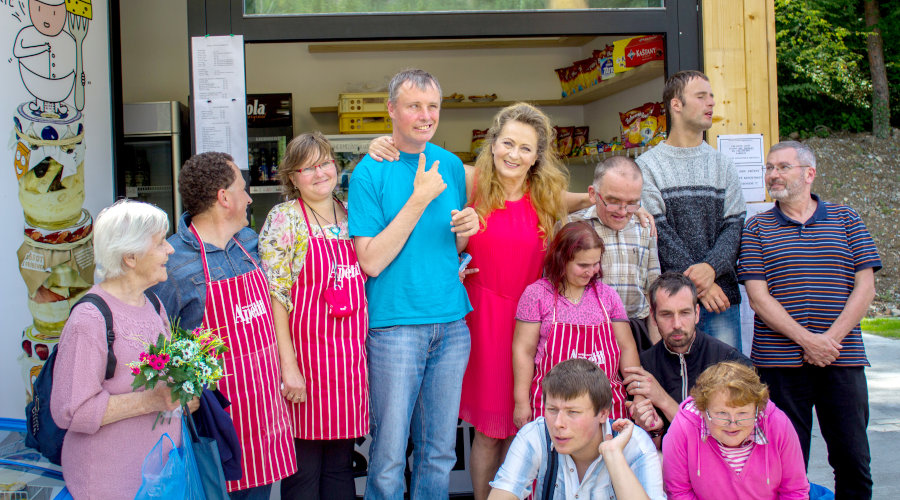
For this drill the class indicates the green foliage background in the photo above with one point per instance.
(823, 67)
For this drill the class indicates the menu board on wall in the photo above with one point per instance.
(220, 96)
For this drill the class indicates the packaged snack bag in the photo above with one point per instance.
(477, 140)
(631, 127)
(569, 80)
(590, 71)
(579, 139)
(564, 141)
(649, 122)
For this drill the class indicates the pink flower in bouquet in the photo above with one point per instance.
(197, 331)
(135, 370)
(143, 356)
(156, 362)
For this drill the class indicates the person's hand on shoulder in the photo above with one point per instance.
(382, 148)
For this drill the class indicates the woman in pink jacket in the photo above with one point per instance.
(728, 438)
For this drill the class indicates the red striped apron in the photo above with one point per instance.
(595, 343)
(331, 351)
(241, 311)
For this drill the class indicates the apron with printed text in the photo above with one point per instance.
(240, 311)
(596, 343)
(331, 351)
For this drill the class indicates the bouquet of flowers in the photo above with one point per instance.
(187, 362)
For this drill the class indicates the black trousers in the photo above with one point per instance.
(841, 398)
(324, 471)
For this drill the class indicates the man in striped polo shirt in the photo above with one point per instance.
(808, 267)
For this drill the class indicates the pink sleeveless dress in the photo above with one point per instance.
(509, 254)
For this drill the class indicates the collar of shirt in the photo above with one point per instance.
(820, 213)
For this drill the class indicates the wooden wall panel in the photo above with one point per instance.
(739, 58)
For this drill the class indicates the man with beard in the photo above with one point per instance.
(671, 367)
(809, 267)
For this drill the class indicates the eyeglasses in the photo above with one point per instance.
(630, 208)
(311, 170)
(782, 169)
(740, 422)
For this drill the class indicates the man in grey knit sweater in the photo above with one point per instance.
(694, 193)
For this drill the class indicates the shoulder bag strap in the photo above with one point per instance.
(100, 304)
(552, 463)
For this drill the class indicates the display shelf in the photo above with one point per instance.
(593, 160)
(606, 88)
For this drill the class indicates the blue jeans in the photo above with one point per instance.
(725, 326)
(415, 381)
(258, 493)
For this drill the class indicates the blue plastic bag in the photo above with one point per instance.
(818, 492)
(163, 473)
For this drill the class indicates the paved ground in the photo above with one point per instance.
(884, 422)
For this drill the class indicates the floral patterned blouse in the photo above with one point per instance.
(283, 242)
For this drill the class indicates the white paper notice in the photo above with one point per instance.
(220, 96)
(746, 150)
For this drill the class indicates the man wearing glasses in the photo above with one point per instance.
(809, 266)
(694, 193)
(630, 262)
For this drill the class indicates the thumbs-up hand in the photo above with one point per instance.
(428, 184)
(464, 222)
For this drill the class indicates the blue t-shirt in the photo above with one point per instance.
(421, 285)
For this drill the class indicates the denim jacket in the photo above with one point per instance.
(184, 292)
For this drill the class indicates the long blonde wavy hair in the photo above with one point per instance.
(545, 182)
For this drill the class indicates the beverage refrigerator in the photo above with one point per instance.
(269, 129)
(156, 143)
(348, 150)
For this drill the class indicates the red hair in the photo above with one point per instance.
(571, 239)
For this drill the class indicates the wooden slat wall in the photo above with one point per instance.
(739, 58)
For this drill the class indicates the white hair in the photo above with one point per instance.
(125, 228)
(804, 153)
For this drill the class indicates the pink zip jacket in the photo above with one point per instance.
(694, 468)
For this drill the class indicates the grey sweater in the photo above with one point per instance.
(695, 196)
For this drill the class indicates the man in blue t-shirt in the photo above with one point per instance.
(407, 223)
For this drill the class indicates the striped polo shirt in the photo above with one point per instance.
(809, 269)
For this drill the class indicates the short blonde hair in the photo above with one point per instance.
(740, 384)
(125, 228)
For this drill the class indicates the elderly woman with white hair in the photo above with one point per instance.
(110, 427)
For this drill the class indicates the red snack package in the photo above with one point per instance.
(631, 127)
(579, 139)
(564, 141)
(477, 140)
(644, 49)
(569, 80)
(590, 71)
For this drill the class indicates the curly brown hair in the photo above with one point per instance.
(201, 178)
(303, 150)
(740, 384)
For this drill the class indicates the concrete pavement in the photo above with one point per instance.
(884, 422)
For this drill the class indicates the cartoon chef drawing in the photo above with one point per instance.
(46, 56)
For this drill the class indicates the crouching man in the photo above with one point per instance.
(594, 457)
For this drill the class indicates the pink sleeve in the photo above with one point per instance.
(530, 309)
(794, 483)
(78, 401)
(676, 473)
(613, 303)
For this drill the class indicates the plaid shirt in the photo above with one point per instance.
(630, 261)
